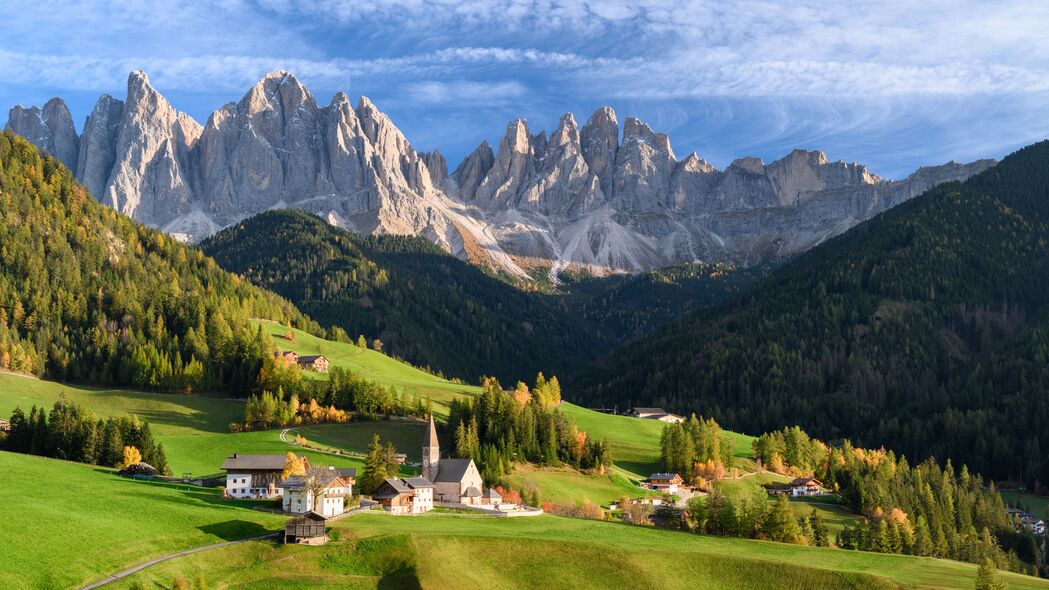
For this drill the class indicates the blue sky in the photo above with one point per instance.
(895, 85)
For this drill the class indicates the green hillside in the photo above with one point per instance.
(377, 551)
(372, 365)
(438, 311)
(88, 295)
(76, 523)
(924, 329)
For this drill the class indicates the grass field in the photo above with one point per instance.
(1038, 505)
(194, 429)
(76, 523)
(372, 365)
(378, 551)
(356, 436)
(566, 486)
(635, 442)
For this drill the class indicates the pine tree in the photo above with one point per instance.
(781, 525)
(987, 577)
(820, 536)
(374, 471)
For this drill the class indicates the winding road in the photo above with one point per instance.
(134, 570)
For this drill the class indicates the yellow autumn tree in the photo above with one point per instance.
(293, 465)
(131, 457)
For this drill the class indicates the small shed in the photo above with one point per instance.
(307, 529)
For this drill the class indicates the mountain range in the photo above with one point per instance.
(604, 197)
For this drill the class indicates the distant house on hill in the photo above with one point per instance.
(664, 482)
(321, 490)
(805, 486)
(314, 363)
(288, 357)
(402, 458)
(655, 414)
(5, 426)
(255, 476)
(1025, 520)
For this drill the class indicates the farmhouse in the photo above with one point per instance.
(413, 495)
(255, 476)
(655, 414)
(314, 363)
(5, 426)
(805, 486)
(1024, 520)
(323, 491)
(288, 357)
(665, 482)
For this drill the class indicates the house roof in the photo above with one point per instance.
(472, 492)
(649, 410)
(452, 470)
(662, 476)
(325, 474)
(311, 358)
(254, 462)
(804, 481)
(492, 494)
(391, 488)
(309, 516)
(418, 482)
(431, 435)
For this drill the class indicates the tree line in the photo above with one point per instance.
(925, 509)
(498, 429)
(73, 433)
(696, 449)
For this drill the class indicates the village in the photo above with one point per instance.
(319, 494)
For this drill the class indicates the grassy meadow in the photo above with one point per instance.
(78, 523)
(371, 365)
(380, 551)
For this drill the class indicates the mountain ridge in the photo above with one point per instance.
(601, 197)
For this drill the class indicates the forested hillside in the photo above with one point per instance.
(88, 295)
(924, 329)
(435, 310)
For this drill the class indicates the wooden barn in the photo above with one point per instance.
(307, 529)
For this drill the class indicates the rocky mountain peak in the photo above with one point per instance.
(566, 134)
(600, 141)
(49, 129)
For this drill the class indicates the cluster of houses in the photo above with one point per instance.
(1024, 520)
(323, 490)
(316, 362)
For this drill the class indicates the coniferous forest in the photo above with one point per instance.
(924, 329)
(88, 295)
(435, 310)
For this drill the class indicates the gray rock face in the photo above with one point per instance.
(576, 198)
(49, 129)
(98, 144)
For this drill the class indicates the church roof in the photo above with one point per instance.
(452, 470)
(431, 435)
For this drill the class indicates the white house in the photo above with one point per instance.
(655, 414)
(323, 491)
(664, 482)
(805, 486)
(255, 476)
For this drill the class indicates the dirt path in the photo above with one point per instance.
(134, 570)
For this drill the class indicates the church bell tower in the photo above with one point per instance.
(431, 452)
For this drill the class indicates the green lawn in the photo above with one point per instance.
(372, 365)
(635, 442)
(77, 523)
(1038, 505)
(356, 436)
(378, 551)
(194, 429)
(566, 486)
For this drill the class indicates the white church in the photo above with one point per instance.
(453, 481)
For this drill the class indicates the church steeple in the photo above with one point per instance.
(431, 452)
